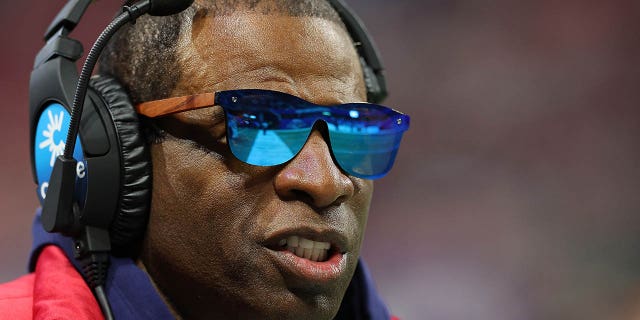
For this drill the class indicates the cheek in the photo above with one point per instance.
(360, 205)
(202, 220)
(181, 174)
(195, 198)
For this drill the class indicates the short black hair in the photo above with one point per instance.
(143, 56)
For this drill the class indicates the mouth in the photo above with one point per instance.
(316, 251)
(310, 256)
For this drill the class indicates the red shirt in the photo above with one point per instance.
(54, 290)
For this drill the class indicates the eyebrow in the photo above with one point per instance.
(158, 108)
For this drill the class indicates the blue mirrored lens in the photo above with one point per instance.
(365, 142)
(268, 128)
(264, 128)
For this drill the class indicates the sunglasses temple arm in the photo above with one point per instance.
(158, 108)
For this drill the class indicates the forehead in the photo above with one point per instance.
(302, 55)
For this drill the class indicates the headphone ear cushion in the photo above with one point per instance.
(135, 189)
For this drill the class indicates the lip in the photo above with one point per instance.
(337, 240)
(306, 270)
(310, 271)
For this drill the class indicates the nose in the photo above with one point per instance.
(313, 177)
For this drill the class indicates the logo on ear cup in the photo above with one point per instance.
(50, 137)
(54, 126)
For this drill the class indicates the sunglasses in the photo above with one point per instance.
(268, 128)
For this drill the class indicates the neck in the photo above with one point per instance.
(170, 306)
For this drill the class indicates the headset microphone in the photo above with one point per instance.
(57, 212)
(57, 215)
(92, 244)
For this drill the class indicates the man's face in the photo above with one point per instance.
(213, 244)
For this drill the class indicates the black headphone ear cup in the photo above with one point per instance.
(135, 189)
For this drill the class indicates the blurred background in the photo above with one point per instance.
(516, 192)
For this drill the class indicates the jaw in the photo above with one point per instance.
(283, 300)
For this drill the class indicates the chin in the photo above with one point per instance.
(286, 303)
(308, 308)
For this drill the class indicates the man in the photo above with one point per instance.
(225, 238)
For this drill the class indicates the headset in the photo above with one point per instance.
(95, 186)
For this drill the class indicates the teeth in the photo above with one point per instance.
(316, 254)
(292, 241)
(307, 253)
(306, 243)
(305, 248)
